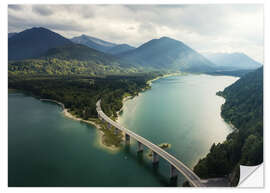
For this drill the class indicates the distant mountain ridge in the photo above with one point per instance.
(33, 43)
(92, 42)
(167, 53)
(121, 48)
(233, 61)
(101, 45)
(157, 54)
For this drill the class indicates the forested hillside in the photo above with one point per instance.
(167, 53)
(80, 93)
(70, 60)
(244, 109)
(121, 48)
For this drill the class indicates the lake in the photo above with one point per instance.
(47, 149)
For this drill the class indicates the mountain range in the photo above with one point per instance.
(157, 54)
(233, 61)
(167, 53)
(101, 45)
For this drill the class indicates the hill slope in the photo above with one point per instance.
(33, 42)
(121, 48)
(94, 43)
(101, 45)
(74, 59)
(233, 61)
(167, 53)
(80, 52)
(244, 109)
(11, 34)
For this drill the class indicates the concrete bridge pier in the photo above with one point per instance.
(140, 147)
(173, 172)
(155, 158)
(127, 139)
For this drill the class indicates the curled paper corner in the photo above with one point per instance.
(251, 176)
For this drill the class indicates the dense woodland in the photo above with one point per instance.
(56, 66)
(71, 60)
(243, 109)
(80, 93)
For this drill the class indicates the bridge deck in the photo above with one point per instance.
(182, 168)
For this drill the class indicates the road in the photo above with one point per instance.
(181, 167)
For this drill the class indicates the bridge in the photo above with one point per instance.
(175, 164)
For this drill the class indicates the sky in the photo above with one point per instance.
(206, 28)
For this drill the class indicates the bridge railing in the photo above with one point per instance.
(182, 168)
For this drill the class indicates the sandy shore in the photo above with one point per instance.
(69, 115)
(100, 144)
(123, 100)
(112, 149)
(149, 82)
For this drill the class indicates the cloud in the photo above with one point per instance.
(206, 28)
(42, 10)
(14, 7)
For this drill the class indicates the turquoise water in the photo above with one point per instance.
(183, 111)
(47, 149)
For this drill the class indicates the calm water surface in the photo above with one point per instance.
(47, 149)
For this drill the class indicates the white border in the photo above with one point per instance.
(3, 115)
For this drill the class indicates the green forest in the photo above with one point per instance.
(244, 110)
(80, 93)
(56, 66)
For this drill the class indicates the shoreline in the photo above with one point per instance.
(101, 134)
(149, 82)
(92, 123)
(69, 115)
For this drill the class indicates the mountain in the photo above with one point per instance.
(121, 48)
(167, 53)
(34, 42)
(94, 43)
(233, 61)
(72, 59)
(81, 53)
(243, 108)
(11, 34)
(101, 45)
